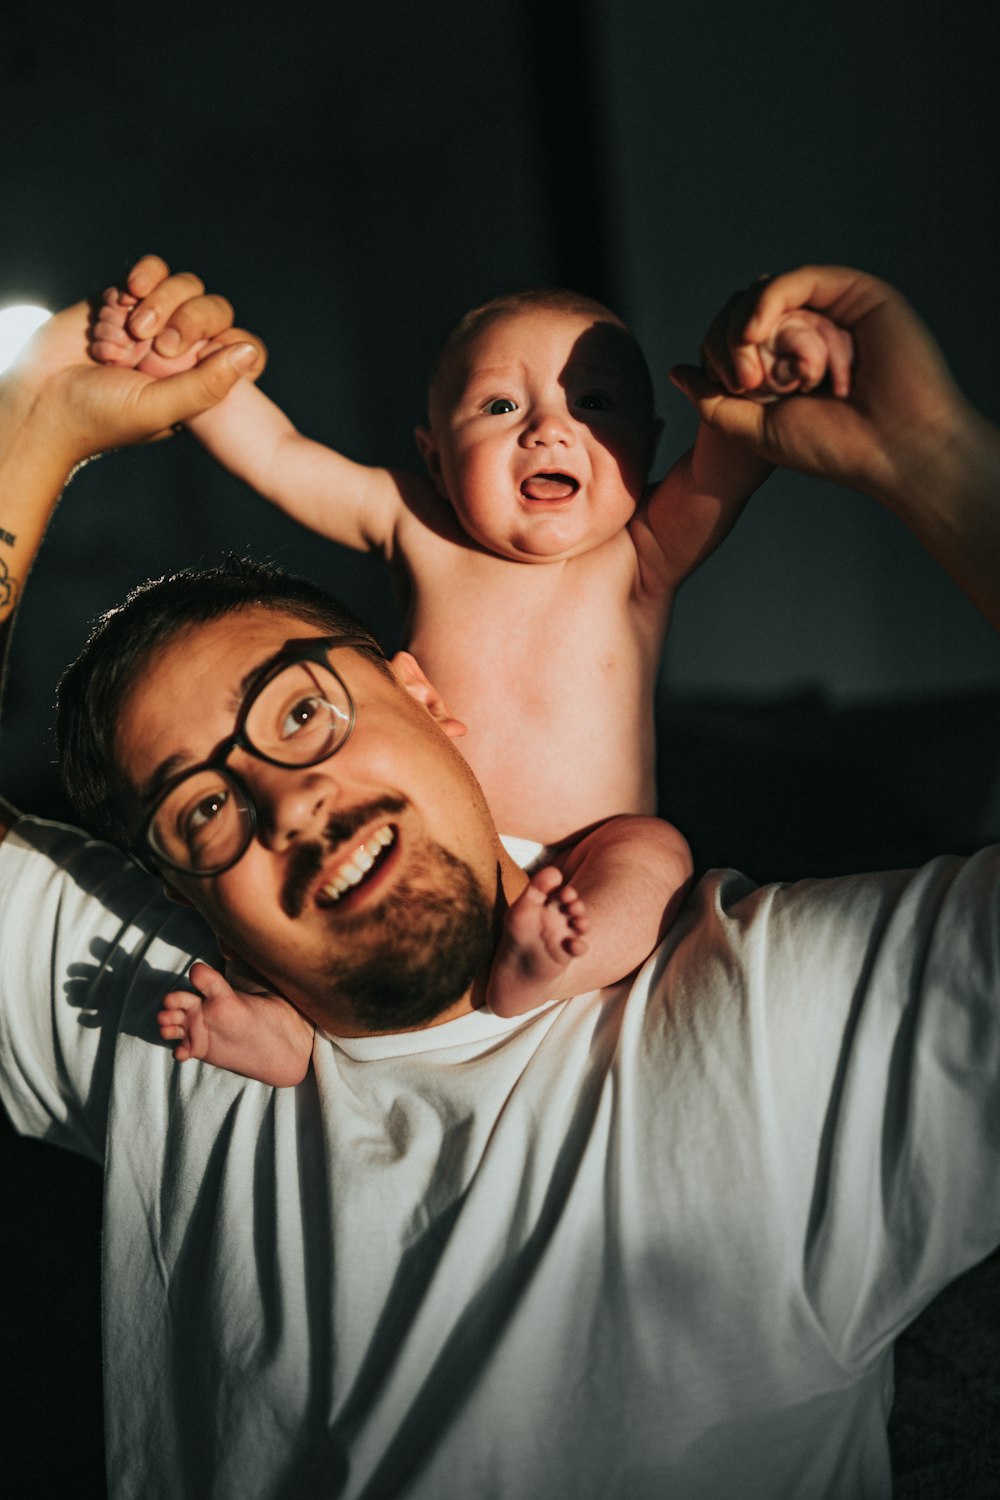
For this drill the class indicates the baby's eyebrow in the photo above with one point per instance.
(587, 371)
(492, 372)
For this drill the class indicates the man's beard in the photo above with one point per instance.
(407, 959)
(438, 936)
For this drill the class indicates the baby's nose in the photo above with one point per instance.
(547, 427)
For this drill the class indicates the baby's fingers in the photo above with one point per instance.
(806, 349)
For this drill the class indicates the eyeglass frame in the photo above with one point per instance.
(315, 650)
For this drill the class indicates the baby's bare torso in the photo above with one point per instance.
(552, 666)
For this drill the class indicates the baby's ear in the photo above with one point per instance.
(656, 432)
(428, 449)
(410, 675)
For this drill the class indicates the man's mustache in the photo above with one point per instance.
(307, 859)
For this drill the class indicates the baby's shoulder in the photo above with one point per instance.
(424, 515)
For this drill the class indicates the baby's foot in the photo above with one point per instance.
(113, 343)
(257, 1034)
(805, 350)
(542, 933)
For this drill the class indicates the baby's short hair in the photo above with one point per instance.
(556, 298)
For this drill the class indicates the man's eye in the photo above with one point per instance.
(499, 406)
(594, 401)
(299, 716)
(199, 818)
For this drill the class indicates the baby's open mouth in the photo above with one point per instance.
(357, 866)
(549, 487)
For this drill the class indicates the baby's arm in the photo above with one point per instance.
(593, 917)
(253, 1032)
(354, 504)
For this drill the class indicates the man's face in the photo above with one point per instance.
(541, 433)
(397, 797)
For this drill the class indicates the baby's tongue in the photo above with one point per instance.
(548, 487)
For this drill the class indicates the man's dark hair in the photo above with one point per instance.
(121, 642)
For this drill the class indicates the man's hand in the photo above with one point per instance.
(904, 434)
(902, 406)
(805, 350)
(80, 408)
(59, 407)
(138, 327)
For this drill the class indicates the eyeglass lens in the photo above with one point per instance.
(299, 716)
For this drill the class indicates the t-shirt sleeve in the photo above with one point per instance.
(88, 947)
(863, 1044)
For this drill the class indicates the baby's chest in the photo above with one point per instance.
(536, 647)
(474, 613)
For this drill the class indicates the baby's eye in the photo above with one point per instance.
(499, 406)
(594, 401)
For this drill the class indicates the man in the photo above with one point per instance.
(657, 1241)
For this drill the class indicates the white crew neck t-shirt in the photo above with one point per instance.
(651, 1243)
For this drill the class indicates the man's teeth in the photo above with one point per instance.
(355, 868)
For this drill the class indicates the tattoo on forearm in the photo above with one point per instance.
(6, 536)
(8, 587)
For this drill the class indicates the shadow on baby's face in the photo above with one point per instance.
(542, 430)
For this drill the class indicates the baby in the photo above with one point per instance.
(537, 571)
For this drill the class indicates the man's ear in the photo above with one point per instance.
(177, 897)
(410, 675)
(428, 449)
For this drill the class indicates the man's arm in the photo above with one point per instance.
(59, 408)
(693, 509)
(357, 505)
(906, 435)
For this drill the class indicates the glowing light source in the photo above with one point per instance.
(17, 324)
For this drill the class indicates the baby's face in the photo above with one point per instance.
(541, 433)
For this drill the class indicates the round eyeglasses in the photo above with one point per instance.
(299, 713)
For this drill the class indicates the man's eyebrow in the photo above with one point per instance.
(162, 774)
(172, 765)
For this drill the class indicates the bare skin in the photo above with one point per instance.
(474, 559)
(544, 930)
(905, 435)
(253, 1031)
(535, 510)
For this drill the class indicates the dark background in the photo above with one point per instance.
(353, 178)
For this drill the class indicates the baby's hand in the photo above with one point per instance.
(255, 1033)
(805, 350)
(112, 342)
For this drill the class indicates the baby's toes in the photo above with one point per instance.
(546, 881)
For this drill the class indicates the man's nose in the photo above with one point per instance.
(293, 805)
(548, 426)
